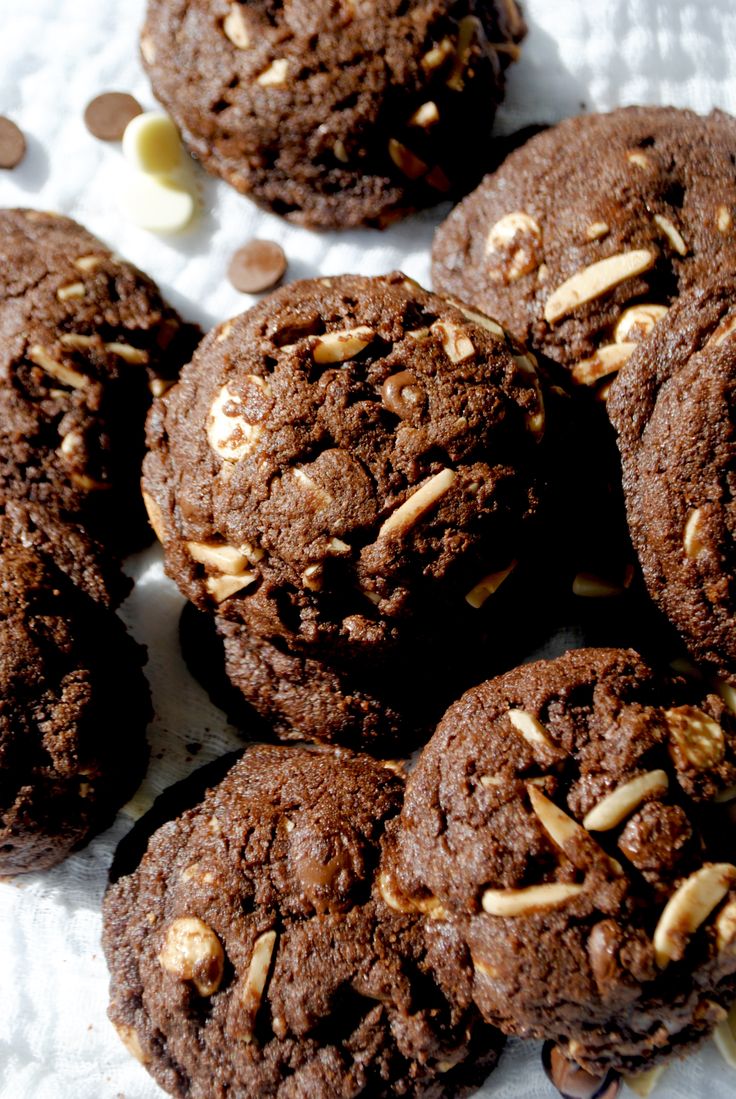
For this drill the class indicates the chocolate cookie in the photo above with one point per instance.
(563, 825)
(250, 954)
(584, 237)
(335, 113)
(350, 454)
(85, 340)
(672, 407)
(73, 710)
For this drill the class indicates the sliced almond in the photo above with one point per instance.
(224, 558)
(587, 585)
(455, 341)
(637, 321)
(340, 151)
(724, 219)
(520, 902)
(530, 728)
(488, 586)
(597, 230)
(696, 740)
(338, 347)
(236, 28)
(412, 166)
(692, 540)
(689, 907)
(71, 290)
(159, 386)
(426, 115)
(565, 832)
(437, 56)
(481, 319)
(76, 341)
(726, 328)
(621, 802)
(129, 1037)
(88, 263)
(727, 693)
(672, 233)
(257, 976)
(607, 360)
(64, 374)
(222, 587)
(418, 504)
(276, 74)
(133, 355)
(644, 1083)
(429, 906)
(726, 926)
(724, 1037)
(640, 160)
(595, 281)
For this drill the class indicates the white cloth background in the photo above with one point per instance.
(55, 1041)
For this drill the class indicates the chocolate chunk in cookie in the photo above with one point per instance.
(349, 455)
(585, 236)
(672, 407)
(85, 340)
(558, 826)
(335, 114)
(73, 710)
(250, 953)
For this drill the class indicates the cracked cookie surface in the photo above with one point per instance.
(335, 112)
(672, 406)
(262, 962)
(85, 340)
(584, 237)
(565, 826)
(73, 710)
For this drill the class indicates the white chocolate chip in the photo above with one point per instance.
(692, 540)
(689, 907)
(726, 927)
(226, 559)
(133, 355)
(155, 517)
(235, 27)
(672, 233)
(412, 166)
(71, 290)
(594, 281)
(530, 728)
(420, 502)
(230, 435)
(621, 802)
(696, 740)
(488, 586)
(257, 975)
(157, 204)
(425, 116)
(222, 587)
(338, 347)
(129, 1037)
(520, 902)
(724, 219)
(637, 322)
(724, 1037)
(606, 361)
(597, 230)
(455, 341)
(644, 1083)
(64, 374)
(519, 238)
(151, 143)
(275, 75)
(193, 952)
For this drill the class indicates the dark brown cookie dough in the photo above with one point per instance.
(335, 113)
(250, 954)
(350, 454)
(73, 710)
(589, 220)
(85, 339)
(672, 406)
(558, 826)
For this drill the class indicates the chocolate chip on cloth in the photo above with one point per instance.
(350, 454)
(673, 410)
(73, 710)
(251, 955)
(85, 340)
(335, 113)
(584, 237)
(556, 827)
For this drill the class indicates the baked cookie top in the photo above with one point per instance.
(249, 953)
(349, 453)
(73, 710)
(585, 236)
(673, 409)
(335, 112)
(563, 824)
(85, 340)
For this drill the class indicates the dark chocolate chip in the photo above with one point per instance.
(572, 1081)
(12, 144)
(108, 114)
(259, 265)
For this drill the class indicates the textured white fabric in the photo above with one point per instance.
(55, 1041)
